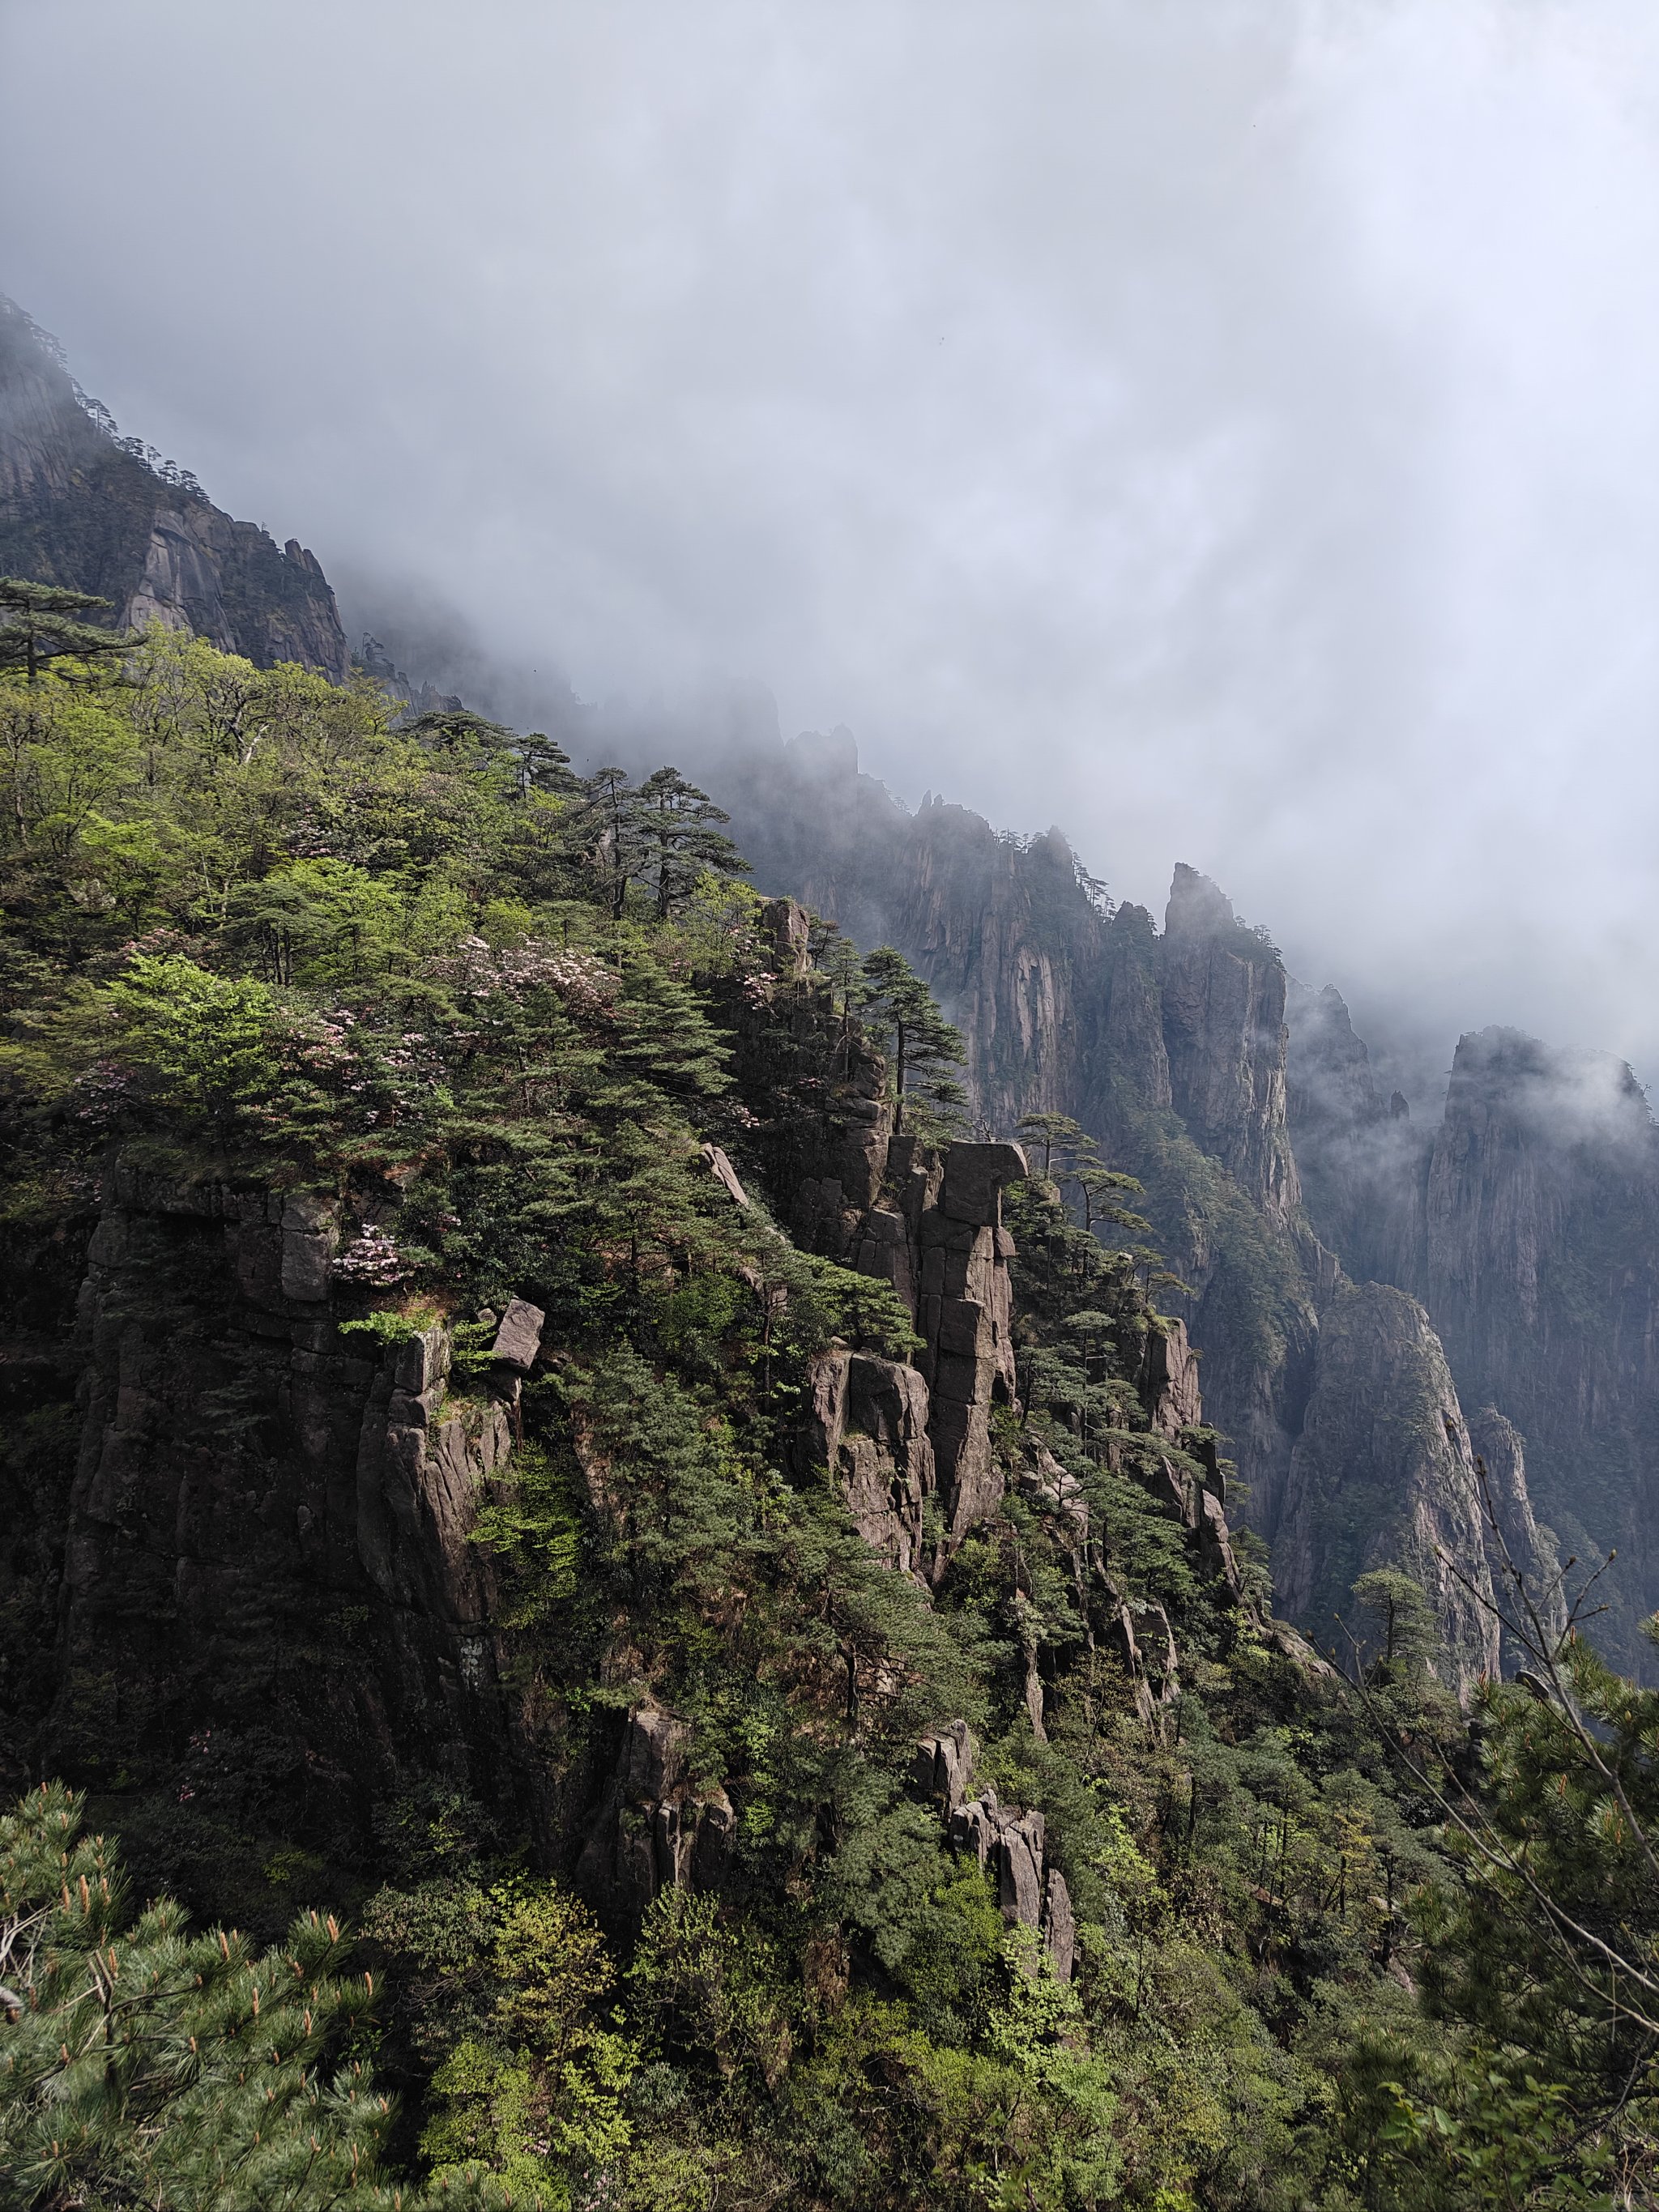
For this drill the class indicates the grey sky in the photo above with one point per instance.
(1230, 430)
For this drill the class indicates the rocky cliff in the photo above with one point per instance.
(82, 508)
(266, 1596)
(243, 1564)
(1383, 1474)
(1202, 1067)
(1527, 1221)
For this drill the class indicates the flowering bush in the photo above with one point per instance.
(371, 1259)
(478, 971)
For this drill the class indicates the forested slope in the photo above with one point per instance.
(522, 1431)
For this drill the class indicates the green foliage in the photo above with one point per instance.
(1479, 2129)
(494, 1015)
(537, 2094)
(38, 625)
(898, 1007)
(1547, 1946)
(141, 2064)
(202, 1044)
(392, 1326)
(1400, 1632)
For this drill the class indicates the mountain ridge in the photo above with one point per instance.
(82, 508)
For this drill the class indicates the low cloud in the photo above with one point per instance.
(1229, 431)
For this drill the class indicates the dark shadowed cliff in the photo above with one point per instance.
(83, 509)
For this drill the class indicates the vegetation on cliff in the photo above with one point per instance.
(498, 1038)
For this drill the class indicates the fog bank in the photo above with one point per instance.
(1231, 432)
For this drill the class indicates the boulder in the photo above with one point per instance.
(1020, 1871)
(974, 1176)
(943, 1766)
(724, 1174)
(1058, 1925)
(519, 1338)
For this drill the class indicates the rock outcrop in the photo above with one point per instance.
(900, 1435)
(1010, 1845)
(268, 1528)
(653, 1830)
(1527, 1222)
(1383, 1475)
(82, 508)
(1199, 1067)
(868, 1424)
(928, 1220)
(1222, 993)
(1523, 1559)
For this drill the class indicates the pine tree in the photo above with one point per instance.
(543, 763)
(141, 2064)
(1099, 1188)
(837, 963)
(1057, 1132)
(679, 840)
(925, 1046)
(39, 623)
(462, 735)
(608, 832)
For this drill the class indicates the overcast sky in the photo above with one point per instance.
(1229, 430)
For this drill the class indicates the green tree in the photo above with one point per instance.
(925, 1046)
(609, 831)
(1401, 1635)
(678, 841)
(836, 962)
(1057, 1133)
(202, 1044)
(38, 622)
(142, 2065)
(1101, 1190)
(64, 757)
(460, 733)
(536, 2095)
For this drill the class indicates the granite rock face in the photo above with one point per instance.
(1170, 1049)
(268, 1563)
(928, 1221)
(1527, 1222)
(1221, 993)
(1536, 1606)
(268, 1528)
(868, 1424)
(653, 1830)
(1199, 1067)
(1539, 1262)
(1009, 1844)
(1383, 1475)
(80, 508)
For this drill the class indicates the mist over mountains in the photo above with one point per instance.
(1228, 432)
(910, 1521)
